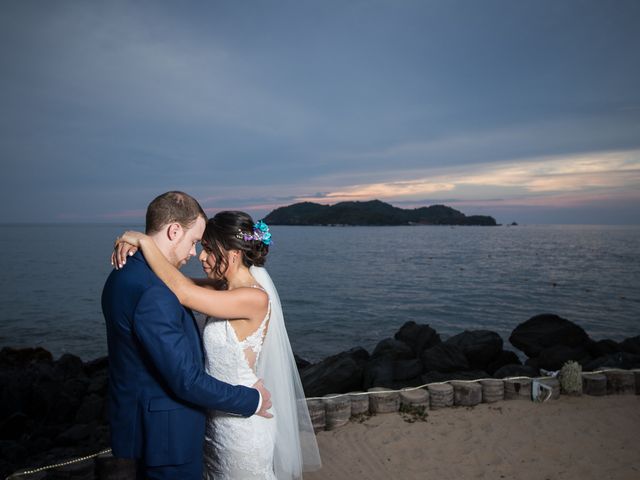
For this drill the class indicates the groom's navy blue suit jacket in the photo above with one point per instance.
(158, 388)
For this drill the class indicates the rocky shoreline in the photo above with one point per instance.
(51, 410)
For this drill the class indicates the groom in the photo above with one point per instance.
(158, 389)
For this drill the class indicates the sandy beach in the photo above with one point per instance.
(570, 438)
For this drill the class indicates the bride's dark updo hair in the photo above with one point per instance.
(227, 231)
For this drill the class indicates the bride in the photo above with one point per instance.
(244, 340)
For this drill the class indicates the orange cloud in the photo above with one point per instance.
(527, 182)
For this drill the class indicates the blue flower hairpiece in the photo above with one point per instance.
(260, 232)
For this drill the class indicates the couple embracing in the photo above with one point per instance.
(224, 404)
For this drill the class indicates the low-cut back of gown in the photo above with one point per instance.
(236, 447)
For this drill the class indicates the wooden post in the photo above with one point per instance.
(440, 395)
(517, 389)
(316, 412)
(594, 384)
(383, 400)
(337, 411)
(620, 382)
(492, 390)
(415, 398)
(359, 404)
(466, 394)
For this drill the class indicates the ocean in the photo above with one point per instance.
(349, 286)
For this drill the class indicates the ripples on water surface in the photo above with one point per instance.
(348, 286)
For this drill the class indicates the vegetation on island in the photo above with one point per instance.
(374, 213)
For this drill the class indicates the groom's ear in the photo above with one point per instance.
(174, 230)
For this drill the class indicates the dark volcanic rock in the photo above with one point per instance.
(14, 426)
(506, 357)
(516, 371)
(631, 345)
(378, 373)
(99, 364)
(74, 434)
(392, 348)
(301, 362)
(406, 369)
(547, 330)
(70, 365)
(384, 371)
(480, 347)
(603, 347)
(444, 358)
(90, 410)
(22, 357)
(623, 360)
(339, 373)
(553, 358)
(433, 377)
(418, 337)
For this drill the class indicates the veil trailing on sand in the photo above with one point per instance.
(296, 448)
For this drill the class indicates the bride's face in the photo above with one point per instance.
(208, 260)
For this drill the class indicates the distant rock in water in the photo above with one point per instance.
(374, 213)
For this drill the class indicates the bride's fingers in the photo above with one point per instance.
(122, 253)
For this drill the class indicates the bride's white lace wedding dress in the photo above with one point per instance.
(281, 447)
(236, 447)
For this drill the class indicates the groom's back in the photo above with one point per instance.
(131, 375)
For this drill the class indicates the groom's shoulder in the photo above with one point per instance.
(136, 273)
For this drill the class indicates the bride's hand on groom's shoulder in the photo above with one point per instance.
(266, 400)
(125, 246)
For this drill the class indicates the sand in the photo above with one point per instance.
(574, 438)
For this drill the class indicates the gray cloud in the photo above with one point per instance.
(107, 104)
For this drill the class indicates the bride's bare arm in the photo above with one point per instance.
(229, 304)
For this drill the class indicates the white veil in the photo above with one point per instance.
(296, 448)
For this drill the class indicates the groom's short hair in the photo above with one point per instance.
(172, 207)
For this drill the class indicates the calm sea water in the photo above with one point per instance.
(348, 286)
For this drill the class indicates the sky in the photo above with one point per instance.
(525, 110)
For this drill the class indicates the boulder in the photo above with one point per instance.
(406, 369)
(392, 348)
(624, 360)
(547, 330)
(444, 358)
(378, 373)
(91, 409)
(506, 357)
(603, 347)
(100, 364)
(516, 371)
(23, 357)
(98, 383)
(631, 345)
(14, 426)
(339, 373)
(481, 347)
(74, 434)
(418, 337)
(553, 358)
(70, 365)
(433, 377)
(301, 363)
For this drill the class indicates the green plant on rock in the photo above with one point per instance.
(571, 378)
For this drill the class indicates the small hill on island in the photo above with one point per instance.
(374, 213)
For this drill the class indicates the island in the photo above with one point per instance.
(371, 213)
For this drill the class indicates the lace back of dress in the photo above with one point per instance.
(252, 345)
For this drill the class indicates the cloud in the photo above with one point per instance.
(522, 181)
